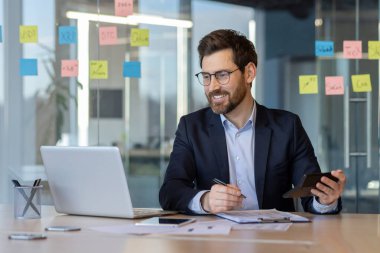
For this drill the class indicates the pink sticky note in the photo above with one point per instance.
(123, 7)
(334, 85)
(69, 68)
(352, 49)
(108, 35)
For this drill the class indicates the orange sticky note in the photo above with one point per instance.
(361, 83)
(334, 85)
(98, 69)
(69, 68)
(373, 49)
(123, 7)
(28, 34)
(108, 35)
(308, 84)
(352, 49)
(139, 37)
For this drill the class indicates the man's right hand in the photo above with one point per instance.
(221, 198)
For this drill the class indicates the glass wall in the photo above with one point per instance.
(72, 99)
(349, 124)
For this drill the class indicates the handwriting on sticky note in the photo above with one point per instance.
(68, 35)
(69, 68)
(28, 34)
(352, 49)
(334, 85)
(132, 69)
(123, 7)
(98, 69)
(361, 83)
(308, 84)
(373, 49)
(324, 48)
(139, 37)
(28, 67)
(108, 35)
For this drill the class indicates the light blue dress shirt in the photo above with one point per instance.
(240, 148)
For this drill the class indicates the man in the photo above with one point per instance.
(260, 152)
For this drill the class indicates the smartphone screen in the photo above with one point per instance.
(169, 222)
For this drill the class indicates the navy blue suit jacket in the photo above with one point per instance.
(283, 154)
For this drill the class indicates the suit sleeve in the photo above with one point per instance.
(178, 188)
(305, 162)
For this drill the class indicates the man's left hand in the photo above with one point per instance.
(329, 191)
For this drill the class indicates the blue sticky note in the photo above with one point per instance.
(1, 34)
(132, 69)
(324, 48)
(68, 35)
(28, 67)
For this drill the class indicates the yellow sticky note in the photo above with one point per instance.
(373, 49)
(98, 69)
(308, 84)
(361, 83)
(139, 37)
(28, 34)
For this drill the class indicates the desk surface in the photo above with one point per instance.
(340, 233)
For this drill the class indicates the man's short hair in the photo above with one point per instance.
(243, 49)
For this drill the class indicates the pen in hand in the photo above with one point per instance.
(217, 181)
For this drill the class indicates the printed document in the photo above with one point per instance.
(262, 216)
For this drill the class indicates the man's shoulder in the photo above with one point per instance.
(203, 113)
(271, 115)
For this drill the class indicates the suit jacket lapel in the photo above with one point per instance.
(262, 143)
(218, 143)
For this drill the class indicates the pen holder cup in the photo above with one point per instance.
(27, 202)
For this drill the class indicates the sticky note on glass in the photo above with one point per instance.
(69, 68)
(108, 35)
(98, 69)
(123, 7)
(324, 48)
(334, 85)
(68, 35)
(373, 49)
(308, 84)
(28, 34)
(132, 69)
(361, 83)
(352, 49)
(1, 34)
(28, 67)
(139, 37)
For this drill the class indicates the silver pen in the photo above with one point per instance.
(217, 181)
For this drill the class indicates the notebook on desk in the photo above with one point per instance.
(91, 181)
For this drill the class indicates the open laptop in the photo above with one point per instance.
(91, 181)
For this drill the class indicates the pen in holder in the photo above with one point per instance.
(27, 201)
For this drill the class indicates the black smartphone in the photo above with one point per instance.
(308, 182)
(62, 228)
(27, 236)
(166, 222)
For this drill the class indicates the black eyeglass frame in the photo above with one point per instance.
(216, 76)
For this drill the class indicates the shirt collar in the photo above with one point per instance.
(250, 120)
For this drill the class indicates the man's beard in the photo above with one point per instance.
(233, 101)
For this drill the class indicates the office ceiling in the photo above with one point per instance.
(302, 8)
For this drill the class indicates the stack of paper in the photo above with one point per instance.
(261, 216)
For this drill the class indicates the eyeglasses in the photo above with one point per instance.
(223, 77)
